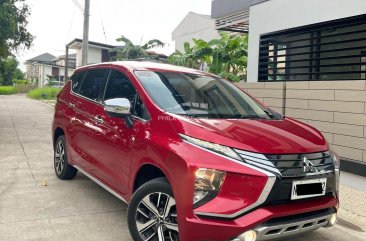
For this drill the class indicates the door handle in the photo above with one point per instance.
(99, 119)
(72, 106)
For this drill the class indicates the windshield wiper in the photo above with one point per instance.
(273, 115)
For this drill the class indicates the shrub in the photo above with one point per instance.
(47, 93)
(24, 88)
(20, 82)
(7, 90)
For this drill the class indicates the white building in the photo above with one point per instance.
(46, 67)
(97, 52)
(297, 39)
(196, 26)
(307, 59)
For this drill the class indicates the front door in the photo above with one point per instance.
(115, 142)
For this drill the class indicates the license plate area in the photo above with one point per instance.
(308, 188)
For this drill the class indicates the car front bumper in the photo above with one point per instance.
(273, 220)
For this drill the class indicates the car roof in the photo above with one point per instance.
(138, 65)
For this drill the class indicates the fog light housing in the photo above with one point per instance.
(250, 235)
(207, 185)
(332, 220)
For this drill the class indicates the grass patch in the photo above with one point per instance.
(47, 93)
(24, 88)
(7, 90)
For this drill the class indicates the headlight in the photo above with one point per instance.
(223, 150)
(335, 158)
(207, 185)
(337, 164)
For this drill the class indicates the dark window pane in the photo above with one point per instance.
(76, 80)
(93, 83)
(119, 87)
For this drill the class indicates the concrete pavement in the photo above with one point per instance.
(75, 210)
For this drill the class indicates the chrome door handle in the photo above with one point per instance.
(72, 106)
(99, 119)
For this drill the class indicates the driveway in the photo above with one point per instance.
(35, 205)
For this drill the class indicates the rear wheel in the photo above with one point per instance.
(62, 168)
(152, 213)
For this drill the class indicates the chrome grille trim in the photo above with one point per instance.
(286, 229)
(289, 165)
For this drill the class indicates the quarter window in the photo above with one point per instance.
(76, 80)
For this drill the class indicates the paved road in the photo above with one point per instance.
(74, 210)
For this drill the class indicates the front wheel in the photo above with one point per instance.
(152, 213)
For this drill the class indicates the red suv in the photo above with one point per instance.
(195, 157)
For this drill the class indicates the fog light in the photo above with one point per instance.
(250, 235)
(332, 220)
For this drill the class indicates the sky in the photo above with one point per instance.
(54, 23)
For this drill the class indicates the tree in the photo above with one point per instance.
(226, 56)
(13, 31)
(187, 58)
(129, 51)
(9, 71)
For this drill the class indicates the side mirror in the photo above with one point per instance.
(119, 107)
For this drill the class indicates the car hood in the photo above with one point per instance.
(286, 136)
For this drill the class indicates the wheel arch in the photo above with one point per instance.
(57, 133)
(146, 173)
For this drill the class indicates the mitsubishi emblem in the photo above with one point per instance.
(308, 165)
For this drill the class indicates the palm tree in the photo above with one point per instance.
(226, 56)
(184, 59)
(129, 51)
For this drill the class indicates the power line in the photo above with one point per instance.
(105, 35)
(77, 4)
(102, 23)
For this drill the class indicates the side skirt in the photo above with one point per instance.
(100, 184)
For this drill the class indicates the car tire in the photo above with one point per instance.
(62, 168)
(152, 212)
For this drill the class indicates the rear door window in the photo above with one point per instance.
(93, 85)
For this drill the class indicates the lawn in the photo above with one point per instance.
(47, 93)
(7, 90)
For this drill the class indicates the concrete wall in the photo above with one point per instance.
(194, 26)
(337, 108)
(275, 15)
(94, 56)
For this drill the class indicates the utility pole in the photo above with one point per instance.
(84, 60)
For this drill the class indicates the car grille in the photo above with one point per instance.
(293, 165)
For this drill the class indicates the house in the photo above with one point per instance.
(45, 67)
(196, 26)
(307, 59)
(97, 52)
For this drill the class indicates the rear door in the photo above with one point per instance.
(85, 123)
(71, 115)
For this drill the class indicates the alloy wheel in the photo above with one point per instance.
(59, 157)
(156, 218)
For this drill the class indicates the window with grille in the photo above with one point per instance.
(333, 50)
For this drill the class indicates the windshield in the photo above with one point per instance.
(200, 96)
